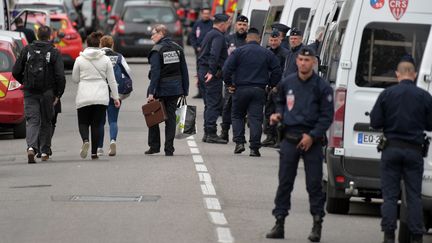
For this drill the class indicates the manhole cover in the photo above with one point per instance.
(94, 198)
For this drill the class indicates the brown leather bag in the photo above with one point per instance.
(154, 113)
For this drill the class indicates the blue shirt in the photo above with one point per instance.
(178, 87)
(305, 104)
(199, 30)
(214, 51)
(404, 112)
(250, 70)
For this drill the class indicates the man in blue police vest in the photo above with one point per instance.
(199, 30)
(404, 112)
(169, 80)
(281, 53)
(247, 77)
(305, 107)
(283, 30)
(213, 55)
(295, 41)
(234, 40)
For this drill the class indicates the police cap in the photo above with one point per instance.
(274, 33)
(218, 18)
(307, 51)
(253, 31)
(280, 27)
(296, 32)
(407, 58)
(242, 18)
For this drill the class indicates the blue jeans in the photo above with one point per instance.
(113, 113)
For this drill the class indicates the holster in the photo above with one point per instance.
(382, 143)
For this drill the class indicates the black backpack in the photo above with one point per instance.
(36, 68)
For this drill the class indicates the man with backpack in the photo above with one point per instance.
(40, 69)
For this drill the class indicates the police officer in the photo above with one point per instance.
(234, 40)
(403, 112)
(168, 81)
(248, 76)
(270, 108)
(305, 107)
(199, 30)
(212, 57)
(283, 30)
(295, 41)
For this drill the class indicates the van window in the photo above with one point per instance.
(274, 15)
(300, 19)
(306, 32)
(5, 62)
(332, 50)
(257, 19)
(383, 44)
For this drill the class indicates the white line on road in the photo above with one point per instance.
(194, 150)
(192, 143)
(204, 177)
(197, 158)
(224, 235)
(201, 168)
(208, 189)
(218, 218)
(212, 203)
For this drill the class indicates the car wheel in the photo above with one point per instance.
(336, 205)
(19, 131)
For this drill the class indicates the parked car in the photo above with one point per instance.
(17, 37)
(57, 6)
(11, 94)
(133, 30)
(115, 14)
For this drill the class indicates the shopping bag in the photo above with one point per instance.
(185, 119)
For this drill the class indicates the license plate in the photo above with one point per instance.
(368, 138)
(145, 42)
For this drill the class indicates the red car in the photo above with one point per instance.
(11, 94)
(66, 38)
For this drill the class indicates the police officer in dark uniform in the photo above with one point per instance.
(295, 41)
(169, 80)
(213, 55)
(247, 76)
(283, 30)
(305, 107)
(403, 112)
(234, 40)
(199, 30)
(270, 107)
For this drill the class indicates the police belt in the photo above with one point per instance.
(405, 145)
(177, 77)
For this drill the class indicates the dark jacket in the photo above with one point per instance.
(310, 105)
(290, 62)
(214, 51)
(404, 112)
(285, 43)
(160, 87)
(29, 34)
(55, 73)
(236, 40)
(281, 53)
(248, 70)
(199, 30)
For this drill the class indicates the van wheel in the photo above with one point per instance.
(19, 131)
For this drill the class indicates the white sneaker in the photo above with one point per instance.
(113, 148)
(84, 149)
(99, 152)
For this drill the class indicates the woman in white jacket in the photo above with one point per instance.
(94, 73)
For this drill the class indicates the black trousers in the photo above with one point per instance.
(91, 116)
(170, 103)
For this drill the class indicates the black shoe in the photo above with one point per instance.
(224, 134)
(416, 239)
(152, 151)
(389, 237)
(197, 96)
(255, 153)
(204, 139)
(277, 232)
(269, 141)
(276, 145)
(94, 157)
(31, 156)
(315, 234)
(169, 154)
(239, 148)
(213, 138)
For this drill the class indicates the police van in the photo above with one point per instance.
(293, 13)
(318, 17)
(4, 15)
(359, 56)
(255, 10)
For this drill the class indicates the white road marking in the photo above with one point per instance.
(204, 177)
(212, 203)
(218, 218)
(201, 168)
(224, 235)
(194, 150)
(208, 189)
(197, 158)
(192, 143)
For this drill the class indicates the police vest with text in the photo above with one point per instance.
(170, 57)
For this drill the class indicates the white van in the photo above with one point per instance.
(255, 10)
(359, 56)
(318, 17)
(4, 15)
(293, 13)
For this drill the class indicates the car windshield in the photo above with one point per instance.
(58, 24)
(5, 62)
(51, 8)
(149, 14)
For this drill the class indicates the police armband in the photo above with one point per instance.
(425, 146)
(382, 143)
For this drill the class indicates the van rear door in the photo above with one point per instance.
(382, 37)
(424, 79)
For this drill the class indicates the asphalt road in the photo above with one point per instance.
(204, 193)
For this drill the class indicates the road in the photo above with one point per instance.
(204, 193)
